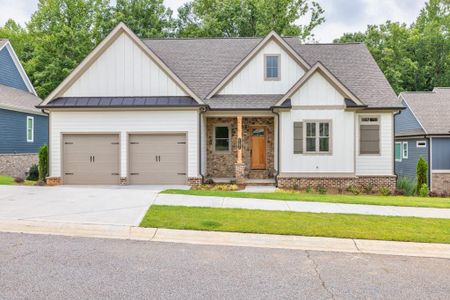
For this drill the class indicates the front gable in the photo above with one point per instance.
(122, 70)
(251, 78)
(122, 66)
(11, 72)
(317, 90)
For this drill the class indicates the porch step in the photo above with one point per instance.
(260, 182)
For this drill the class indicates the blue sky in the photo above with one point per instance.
(341, 15)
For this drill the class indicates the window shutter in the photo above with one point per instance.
(369, 139)
(298, 137)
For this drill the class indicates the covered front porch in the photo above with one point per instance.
(240, 148)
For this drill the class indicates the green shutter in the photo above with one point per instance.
(298, 137)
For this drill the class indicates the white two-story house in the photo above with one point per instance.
(179, 111)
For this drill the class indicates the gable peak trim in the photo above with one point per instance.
(92, 57)
(272, 36)
(330, 77)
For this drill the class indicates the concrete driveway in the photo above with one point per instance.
(115, 205)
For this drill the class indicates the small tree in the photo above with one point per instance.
(43, 162)
(421, 173)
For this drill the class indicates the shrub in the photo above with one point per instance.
(309, 189)
(321, 189)
(384, 191)
(18, 180)
(406, 185)
(423, 192)
(209, 181)
(33, 173)
(399, 192)
(354, 190)
(43, 162)
(296, 187)
(368, 189)
(225, 187)
(421, 173)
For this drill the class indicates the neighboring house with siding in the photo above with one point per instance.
(23, 127)
(250, 110)
(423, 129)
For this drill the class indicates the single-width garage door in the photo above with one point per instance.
(157, 159)
(91, 159)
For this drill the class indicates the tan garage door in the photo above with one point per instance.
(91, 159)
(157, 159)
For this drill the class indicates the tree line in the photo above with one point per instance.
(62, 32)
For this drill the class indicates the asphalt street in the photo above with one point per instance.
(55, 267)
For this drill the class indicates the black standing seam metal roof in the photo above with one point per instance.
(155, 101)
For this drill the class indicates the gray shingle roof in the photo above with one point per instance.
(157, 101)
(432, 109)
(203, 63)
(19, 100)
(243, 101)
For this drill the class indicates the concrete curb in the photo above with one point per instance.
(229, 238)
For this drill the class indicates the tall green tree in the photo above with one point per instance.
(62, 33)
(233, 18)
(414, 57)
(147, 18)
(19, 38)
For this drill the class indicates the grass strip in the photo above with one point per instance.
(331, 198)
(406, 229)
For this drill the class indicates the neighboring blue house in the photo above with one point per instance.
(23, 127)
(423, 129)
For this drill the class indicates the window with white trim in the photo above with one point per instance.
(369, 135)
(222, 138)
(398, 151)
(421, 144)
(30, 129)
(272, 67)
(405, 150)
(317, 136)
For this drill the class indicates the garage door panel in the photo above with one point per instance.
(91, 159)
(157, 159)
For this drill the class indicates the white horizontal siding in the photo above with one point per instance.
(250, 80)
(317, 91)
(124, 69)
(342, 134)
(124, 122)
(383, 163)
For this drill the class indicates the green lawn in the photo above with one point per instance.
(7, 180)
(294, 223)
(333, 198)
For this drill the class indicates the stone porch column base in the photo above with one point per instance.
(194, 181)
(240, 173)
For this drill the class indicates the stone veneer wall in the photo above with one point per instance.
(17, 165)
(222, 165)
(440, 182)
(336, 183)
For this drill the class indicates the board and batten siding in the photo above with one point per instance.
(13, 132)
(250, 79)
(124, 122)
(124, 69)
(377, 164)
(317, 91)
(9, 75)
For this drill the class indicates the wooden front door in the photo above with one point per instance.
(258, 150)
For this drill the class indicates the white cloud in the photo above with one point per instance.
(341, 15)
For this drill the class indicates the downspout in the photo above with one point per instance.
(395, 172)
(429, 163)
(278, 144)
(200, 114)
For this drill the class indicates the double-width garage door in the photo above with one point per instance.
(152, 159)
(91, 159)
(157, 159)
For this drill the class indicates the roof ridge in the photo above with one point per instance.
(200, 38)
